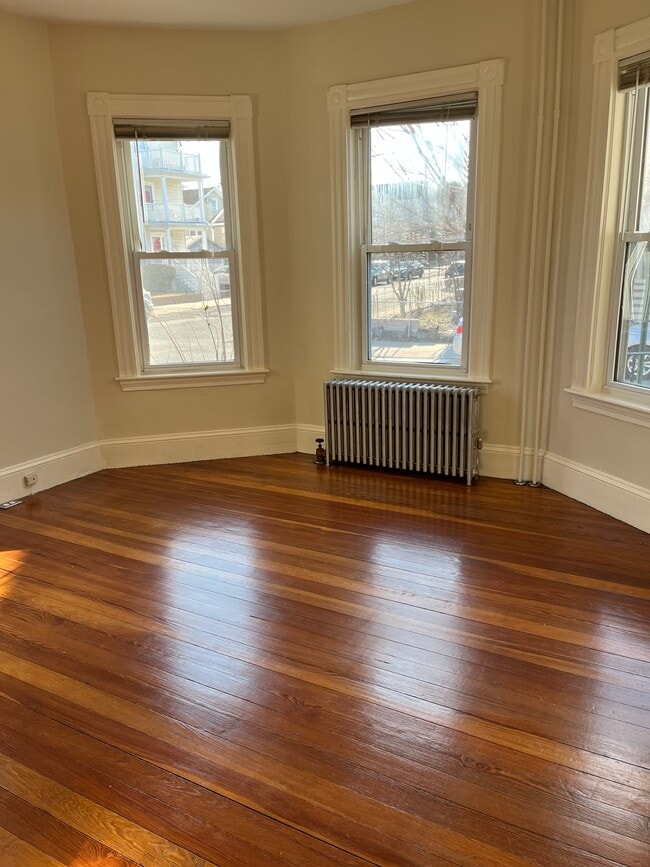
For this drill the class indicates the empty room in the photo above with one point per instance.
(324, 432)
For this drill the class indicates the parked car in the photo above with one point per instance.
(380, 272)
(408, 270)
(456, 269)
(457, 343)
(636, 356)
(222, 273)
(148, 301)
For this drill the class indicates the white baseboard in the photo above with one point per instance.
(623, 500)
(499, 462)
(52, 469)
(199, 446)
(620, 499)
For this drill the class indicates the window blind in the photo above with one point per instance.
(634, 71)
(160, 130)
(461, 106)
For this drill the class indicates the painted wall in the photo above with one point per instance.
(46, 403)
(398, 41)
(606, 444)
(141, 60)
(288, 74)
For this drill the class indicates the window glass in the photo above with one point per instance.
(419, 192)
(632, 363)
(179, 204)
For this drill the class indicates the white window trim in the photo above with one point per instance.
(102, 108)
(590, 387)
(487, 79)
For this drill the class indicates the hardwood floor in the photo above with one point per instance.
(262, 661)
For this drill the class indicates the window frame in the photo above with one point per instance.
(485, 78)
(132, 373)
(362, 171)
(593, 387)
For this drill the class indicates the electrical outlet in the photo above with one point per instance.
(30, 479)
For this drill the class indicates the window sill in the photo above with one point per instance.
(605, 403)
(402, 376)
(156, 381)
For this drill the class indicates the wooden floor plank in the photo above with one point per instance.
(263, 661)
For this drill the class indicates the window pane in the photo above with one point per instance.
(419, 176)
(188, 311)
(633, 351)
(179, 194)
(644, 198)
(415, 306)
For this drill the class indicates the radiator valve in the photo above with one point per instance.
(320, 451)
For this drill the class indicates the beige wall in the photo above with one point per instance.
(398, 41)
(612, 446)
(122, 60)
(46, 403)
(288, 74)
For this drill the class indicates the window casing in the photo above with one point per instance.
(607, 270)
(154, 189)
(436, 263)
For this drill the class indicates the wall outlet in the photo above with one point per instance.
(30, 479)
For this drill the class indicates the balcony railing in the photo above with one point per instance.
(163, 159)
(173, 212)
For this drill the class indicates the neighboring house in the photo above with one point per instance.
(177, 208)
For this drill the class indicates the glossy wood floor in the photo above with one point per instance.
(260, 661)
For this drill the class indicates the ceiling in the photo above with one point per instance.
(240, 14)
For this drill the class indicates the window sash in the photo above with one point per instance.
(637, 111)
(366, 249)
(143, 331)
(132, 221)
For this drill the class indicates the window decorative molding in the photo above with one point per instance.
(103, 108)
(591, 387)
(486, 79)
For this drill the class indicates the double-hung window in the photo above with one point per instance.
(415, 164)
(415, 179)
(176, 186)
(631, 361)
(611, 373)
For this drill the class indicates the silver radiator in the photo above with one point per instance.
(407, 426)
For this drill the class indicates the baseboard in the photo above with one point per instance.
(199, 446)
(497, 461)
(620, 499)
(53, 469)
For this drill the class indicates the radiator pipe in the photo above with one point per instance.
(541, 99)
(548, 321)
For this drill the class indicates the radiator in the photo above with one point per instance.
(407, 426)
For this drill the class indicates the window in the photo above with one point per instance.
(184, 278)
(611, 355)
(184, 285)
(414, 209)
(416, 199)
(631, 363)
